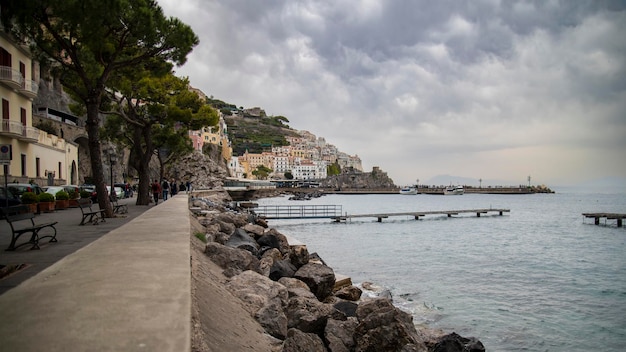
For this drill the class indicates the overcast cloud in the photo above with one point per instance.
(489, 89)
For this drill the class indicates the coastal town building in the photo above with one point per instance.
(35, 155)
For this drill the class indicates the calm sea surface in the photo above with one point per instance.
(536, 279)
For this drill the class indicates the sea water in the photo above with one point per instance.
(540, 278)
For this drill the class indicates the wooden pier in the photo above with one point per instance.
(417, 215)
(607, 216)
(334, 212)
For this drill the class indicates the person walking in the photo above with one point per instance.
(174, 187)
(166, 188)
(156, 191)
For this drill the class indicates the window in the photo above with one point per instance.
(23, 164)
(23, 116)
(60, 168)
(37, 167)
(5, 58)
(5, 109)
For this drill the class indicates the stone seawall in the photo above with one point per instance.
(293, 300)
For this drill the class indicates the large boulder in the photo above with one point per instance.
(237, 219)
(283, 243)
(319, 277)
(282, 268)
(310, 315)
(242, 240)
(339, 334)
(256, 230)
(236, 260)
(456, 343)
(383, 327)
(351, 293)
(299, 255)
(256, 290)
(225, 227)
(296, 287)
(298, 341)
(273, 319)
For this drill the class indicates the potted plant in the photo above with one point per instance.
(62, 200)
(30, 199)
(85, 194)
(46, 202)
(73, 198)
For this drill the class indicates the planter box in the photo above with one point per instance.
(62, 204)
(32, 207)
(73, 203)
(46, 207)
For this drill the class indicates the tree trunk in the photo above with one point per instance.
(141, 161)
(93, 132)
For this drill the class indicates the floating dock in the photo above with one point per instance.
(334, 212)
(417, 215)
(607, 216)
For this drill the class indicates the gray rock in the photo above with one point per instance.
(254, 229)
(298, 255)
(456, 343)
(339, 334)
(383, 327)
(351, 293)
(298, 341)
(283, 246)
(242, 240)
(282, 268)
(256, 291)
(310, 315)
(320, 279)
(273, 319)
(236, 260)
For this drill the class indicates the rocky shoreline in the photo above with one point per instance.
(287, 298)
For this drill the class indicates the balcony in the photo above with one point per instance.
(30, 134)
(10, 77)
(11, 128)
(15, 129)
(29, 88)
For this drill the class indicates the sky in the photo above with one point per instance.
(482, 89)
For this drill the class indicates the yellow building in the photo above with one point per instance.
(36, 156)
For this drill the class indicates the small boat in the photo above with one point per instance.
(408, 190)
(454, 190)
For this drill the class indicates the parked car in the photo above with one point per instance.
(53, 189)
(119, 192)
(8, 195)
(92, 190)
(18, 188)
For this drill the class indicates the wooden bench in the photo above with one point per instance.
(16, 216)
(117, 207)
(94, 216)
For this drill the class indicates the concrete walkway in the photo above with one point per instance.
(123, 285)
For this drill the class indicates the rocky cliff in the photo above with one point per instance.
(351, 178)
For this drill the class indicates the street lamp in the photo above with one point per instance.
(481, 182)
(112, 160)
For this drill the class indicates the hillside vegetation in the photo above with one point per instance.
(257, 134)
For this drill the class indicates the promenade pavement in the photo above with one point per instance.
(121, 285)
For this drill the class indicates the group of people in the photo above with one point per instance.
(164, 189)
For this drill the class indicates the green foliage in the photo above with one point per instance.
(288, 175)
(200, 236)
(85, 194)
(73, 194)
(261, 172)
(29, 198)
(254, 136)
(62, 195)
(47, 127)
(46, 197)
(333, 169)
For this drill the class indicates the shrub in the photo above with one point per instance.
(29, 198)
(85, 194)
(62, 195)
(73, 194)
(46, 197)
